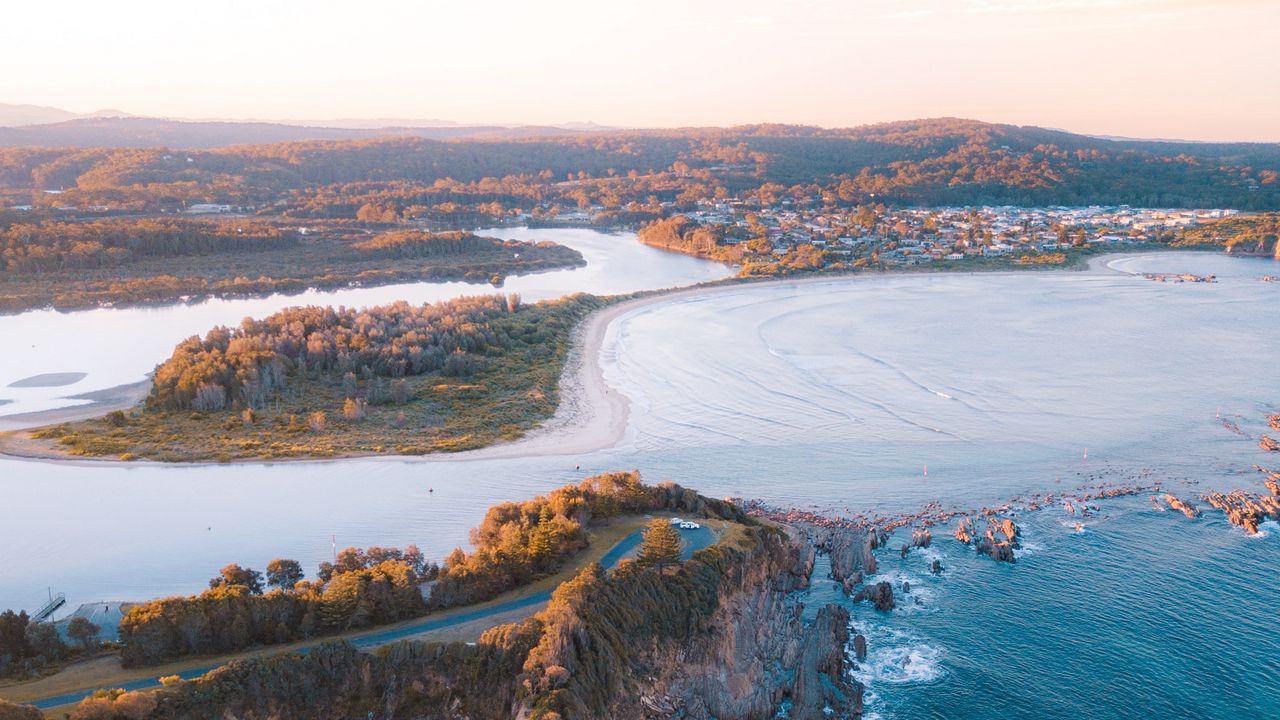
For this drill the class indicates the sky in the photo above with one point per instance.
(1187, 69)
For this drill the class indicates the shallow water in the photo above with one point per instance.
(831, 396)
(119, 346)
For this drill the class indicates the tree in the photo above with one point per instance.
(233, 574)
(83, 631)
(283, 573)
(661, 545)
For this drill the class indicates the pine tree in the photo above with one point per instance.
(542, 539)
(661, 545)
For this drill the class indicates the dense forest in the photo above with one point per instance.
(27, 248)
(330, 381)
(946, 161)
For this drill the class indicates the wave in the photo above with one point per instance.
(895, 657)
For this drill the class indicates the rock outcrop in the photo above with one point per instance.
(879, 594)
(1245, 509)
(852, 555)
(1001, 538)
(1182, 506)
(920, 538)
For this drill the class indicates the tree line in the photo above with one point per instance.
(363, 588)
(52, 246)
(516, 543)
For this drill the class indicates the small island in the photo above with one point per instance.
(328, 382)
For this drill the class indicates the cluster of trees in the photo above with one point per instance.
(27, 647)
(681, 234)
(244, 367)
(1245, 234)
(51, 246)
(415, 244)
(364, 588)
(518, 542)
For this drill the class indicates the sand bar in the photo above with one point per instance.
(591, 416)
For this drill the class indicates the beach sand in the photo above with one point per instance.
(591, 416)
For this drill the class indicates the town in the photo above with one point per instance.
(917, 236)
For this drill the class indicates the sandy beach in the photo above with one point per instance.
(591, 416)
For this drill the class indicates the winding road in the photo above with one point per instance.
(694, 540)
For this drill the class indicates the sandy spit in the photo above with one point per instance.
(591, 416)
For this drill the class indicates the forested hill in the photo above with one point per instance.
(925, 162)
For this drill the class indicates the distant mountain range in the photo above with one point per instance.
(33, 125)
(17, 115)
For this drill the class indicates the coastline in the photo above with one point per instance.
(591, 415)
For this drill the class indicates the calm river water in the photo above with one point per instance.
(825, 395)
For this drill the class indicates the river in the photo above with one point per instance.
(826, 395)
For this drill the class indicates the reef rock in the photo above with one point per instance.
(1244, 509)
(879, 594)
(1182, 506)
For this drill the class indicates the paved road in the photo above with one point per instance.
(374, 639)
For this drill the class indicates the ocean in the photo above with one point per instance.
(858, 395)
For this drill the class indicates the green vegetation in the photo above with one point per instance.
(1246, 235)
(10, 711)
(81, 264)
(382, 587)
(661, 545)
(516, 544)
(924, 162)
(28, 648)
(578, 658)
(322, 382)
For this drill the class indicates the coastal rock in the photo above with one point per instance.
(1269, 444)
(852, 556)
(1182, 506)
(1244, 509)
(821, 660)
(860, 647)
(935, 567)
(880, 595)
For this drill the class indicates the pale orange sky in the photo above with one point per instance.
(1145, 68)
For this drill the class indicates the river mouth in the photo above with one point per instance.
(865, 395)
(128, 343)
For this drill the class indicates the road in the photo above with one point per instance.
(694, 540)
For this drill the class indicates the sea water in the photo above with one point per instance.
(850, 395)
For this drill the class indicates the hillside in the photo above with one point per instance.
(923, 162)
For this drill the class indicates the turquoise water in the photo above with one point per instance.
(1144, 614)
(833, 396)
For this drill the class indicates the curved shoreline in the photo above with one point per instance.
(591, 416)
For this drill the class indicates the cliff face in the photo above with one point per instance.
(758, 654)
